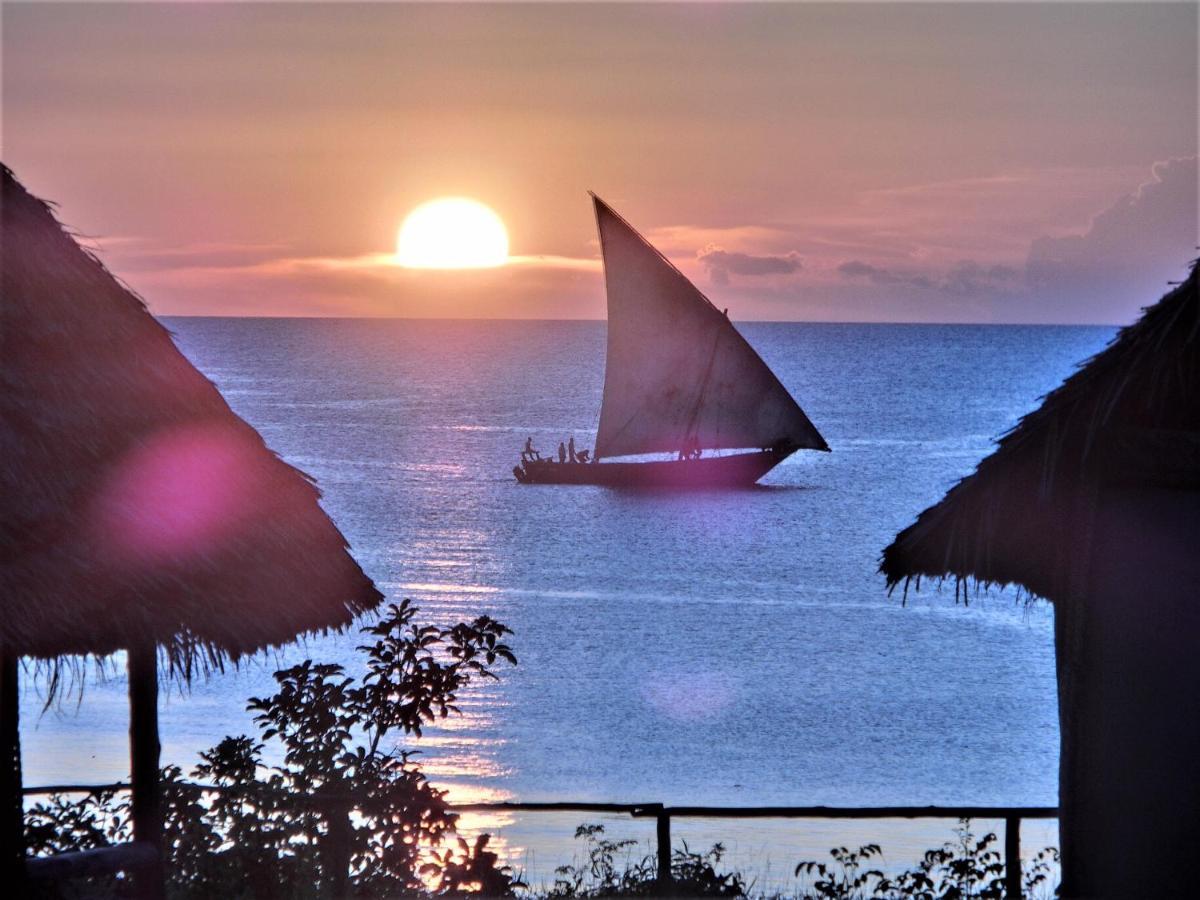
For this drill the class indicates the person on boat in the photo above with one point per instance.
(529, 454)
(571, 449)
(582, 455)
(562, 452)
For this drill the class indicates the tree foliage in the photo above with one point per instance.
(967, 868)
(347, 812)
(602, 875)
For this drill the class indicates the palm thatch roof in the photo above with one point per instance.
(1130, 416)
(136, 505)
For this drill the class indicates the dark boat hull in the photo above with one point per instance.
(738, 470)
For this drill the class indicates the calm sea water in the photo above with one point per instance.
(732, 647)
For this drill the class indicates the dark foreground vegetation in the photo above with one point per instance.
(348, 813)
(967, 867)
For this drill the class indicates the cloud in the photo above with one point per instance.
(856, 268)
(722, 263)
(993, 216)
(969, 278)
(915, 254)
(543, 261)
(965, 279)
(250, 260)
(672, 239)
(372, 284)
(1104, 272)
(1130, 249)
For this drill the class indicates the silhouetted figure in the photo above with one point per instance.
(582, 456)
(690, 448)
(571, 449)
(529, 454)
(562, 452)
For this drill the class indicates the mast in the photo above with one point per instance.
(678, 375)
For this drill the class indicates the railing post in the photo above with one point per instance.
(663, 822)
(1012, 857)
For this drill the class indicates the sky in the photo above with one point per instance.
(1012, 162)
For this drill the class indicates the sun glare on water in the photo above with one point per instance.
(452, 233)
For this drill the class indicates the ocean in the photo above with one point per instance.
(716, 648)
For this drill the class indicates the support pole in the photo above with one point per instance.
(1012, 858)
(12, 828)
(336, 851)
(663, 833)
(143, 768)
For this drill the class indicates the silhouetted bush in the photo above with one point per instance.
(968, 868)
(692, 874)
(347, 812)
(964, 869)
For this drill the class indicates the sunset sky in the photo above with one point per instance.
(1013, 162)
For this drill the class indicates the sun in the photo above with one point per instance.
(452, 233)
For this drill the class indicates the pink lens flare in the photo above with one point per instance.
(691, 696)
(178, 495)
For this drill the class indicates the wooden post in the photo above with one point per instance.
(663, 829)
(143, 769)
(336, 852)
(12, 826)
(1012, 858)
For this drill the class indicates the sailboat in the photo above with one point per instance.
(679, 379)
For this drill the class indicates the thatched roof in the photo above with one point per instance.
(136, 505)
(1129, 416)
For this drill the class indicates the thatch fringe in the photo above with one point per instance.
(1129, 415)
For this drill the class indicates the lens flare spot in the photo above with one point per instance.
(690, 696)
(177, 495)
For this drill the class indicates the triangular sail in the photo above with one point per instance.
(678, 375)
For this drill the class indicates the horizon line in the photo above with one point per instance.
(605, 321)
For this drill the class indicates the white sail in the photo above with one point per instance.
(678, 374)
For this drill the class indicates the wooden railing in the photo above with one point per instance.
(134, 855)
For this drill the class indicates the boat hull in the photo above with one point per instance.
(737, 470)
